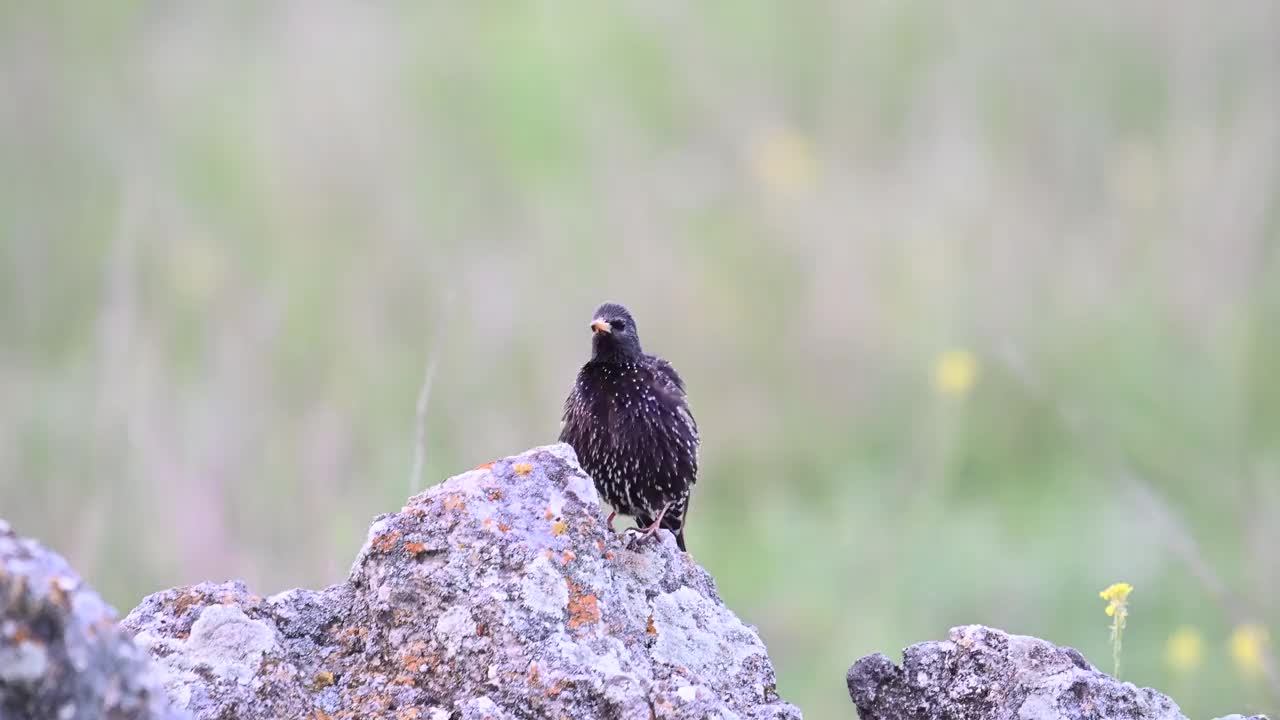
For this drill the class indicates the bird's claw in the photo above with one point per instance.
(637, 535)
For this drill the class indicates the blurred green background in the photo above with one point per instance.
(978, 304)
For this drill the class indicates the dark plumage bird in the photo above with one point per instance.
(628, 420)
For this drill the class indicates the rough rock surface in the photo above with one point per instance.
(986, 674)
(62, 656)
(497, 594)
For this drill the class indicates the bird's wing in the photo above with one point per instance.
(567, 409)
(669, 383)
(568, 403)
(668, 376)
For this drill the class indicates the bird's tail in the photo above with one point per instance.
(670, 521)
(675, 523)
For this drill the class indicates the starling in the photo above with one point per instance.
(628, 420)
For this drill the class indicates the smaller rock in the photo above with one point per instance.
(981, 673)
(986, 674)
(61, 654)
(222, 654)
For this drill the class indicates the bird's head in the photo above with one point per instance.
(613, 334)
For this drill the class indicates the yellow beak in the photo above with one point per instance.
(601, 326)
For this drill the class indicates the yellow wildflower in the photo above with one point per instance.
(954, 372)
(1117, 597)
(783, 161)
(1248, 645)
(1184, 650)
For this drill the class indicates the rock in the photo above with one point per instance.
(497, 594)
(986, 674)
(62, 656)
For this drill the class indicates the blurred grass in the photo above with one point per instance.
(227, 232)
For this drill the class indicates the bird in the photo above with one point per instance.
(628, 419)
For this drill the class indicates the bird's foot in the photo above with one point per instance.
(640, 534)
(637, 535)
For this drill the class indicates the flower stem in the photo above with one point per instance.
(1117, 628)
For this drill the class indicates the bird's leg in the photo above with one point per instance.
(609, 522)
(652, 528)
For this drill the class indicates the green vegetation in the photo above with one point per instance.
(953, 289)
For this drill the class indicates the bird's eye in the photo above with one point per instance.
(618, 324)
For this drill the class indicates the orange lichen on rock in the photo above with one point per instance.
(534, 677)
(405, 680)
(649, 627)
(568, 557)
(504, 527)
(495, 494)
(386, 541)
(414, 658)
(455, 502)
(353, 635)
(559, 527)
(584, 608)
(415, 548)
(548, 514)
(522, 469)
(485, 466)
(411, 713)
(185, 601)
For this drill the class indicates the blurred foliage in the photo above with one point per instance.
(230, 231)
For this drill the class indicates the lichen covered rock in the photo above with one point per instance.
(497, 594)
(62, 656)
(986, 674)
